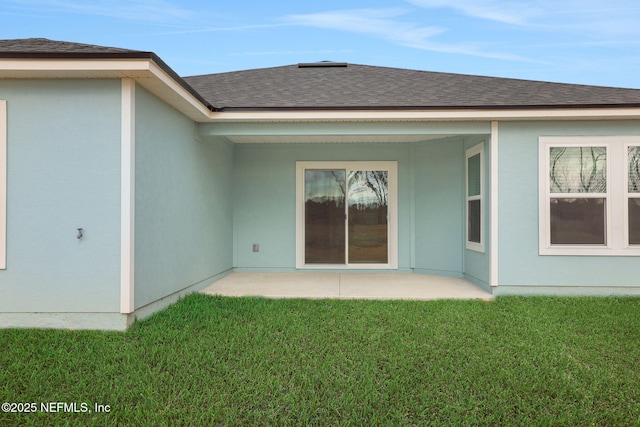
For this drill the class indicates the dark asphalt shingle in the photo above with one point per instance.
(46, 46)
(368, 87)
(348, 86)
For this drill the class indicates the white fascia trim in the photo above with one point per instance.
(146, 72)
(493, 202)
(436, 115)
(127, 196)
(168, 81)
(3, 185)
(31, 65)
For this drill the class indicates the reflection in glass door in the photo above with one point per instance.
(346, 216)
(324, 201)
(368, 231)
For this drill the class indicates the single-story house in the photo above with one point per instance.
(124, 186)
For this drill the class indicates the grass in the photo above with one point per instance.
(253, 361)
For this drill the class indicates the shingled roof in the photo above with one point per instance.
(351, 86)
(341, 86)
(41, 48)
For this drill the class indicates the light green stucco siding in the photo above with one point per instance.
(430, 201)
(183, 202)
(265, 197)
(438, 186)
(520, 265)
(63, 173)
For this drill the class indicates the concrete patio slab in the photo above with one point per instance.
(346, 286)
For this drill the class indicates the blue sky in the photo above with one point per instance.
(572, 41)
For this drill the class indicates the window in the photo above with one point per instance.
(587, 205)
(474, 196)
(578, 199)
(346, 215)
(3, 185)
(633, 194)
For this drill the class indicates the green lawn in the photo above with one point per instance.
(252, 361)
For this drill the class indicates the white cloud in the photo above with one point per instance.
(291, 52)
(591, 16)
(378, 22)
(223, 29)
(509, 12)
(139, 10)
(384, 23)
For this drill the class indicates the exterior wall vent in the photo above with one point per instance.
(322, 64)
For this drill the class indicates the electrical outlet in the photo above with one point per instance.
(256, 247)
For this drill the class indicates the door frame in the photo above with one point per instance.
(392, 211)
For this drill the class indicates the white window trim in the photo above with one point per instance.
(3, 185)
(628, 195)
(616, 227)
(476, 149)
(392, 168)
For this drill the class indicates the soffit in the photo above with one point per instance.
(330, 139)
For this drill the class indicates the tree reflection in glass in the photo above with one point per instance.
(368, 228)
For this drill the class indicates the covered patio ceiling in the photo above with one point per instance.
(338, 131)
(298, 139)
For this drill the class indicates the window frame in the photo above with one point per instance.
(628, 195)
(616, 196)
(477, 149)
(3, 184)
(391, 167)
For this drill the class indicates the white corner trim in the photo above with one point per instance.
(493, 208)
(127, 195)
(3, 185)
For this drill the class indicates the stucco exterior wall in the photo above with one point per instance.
(265, 197)
(521, 268)
(183, 203)
(63, 173)
(438, 190)
(430, 201)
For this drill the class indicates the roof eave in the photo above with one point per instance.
(79, 55)
(589, 112)
(145, 67)
(425, 108)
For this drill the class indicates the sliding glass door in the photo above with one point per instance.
(344, 214)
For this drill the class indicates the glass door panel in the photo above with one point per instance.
(345, 214)
(368, 199)
(324, 207)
